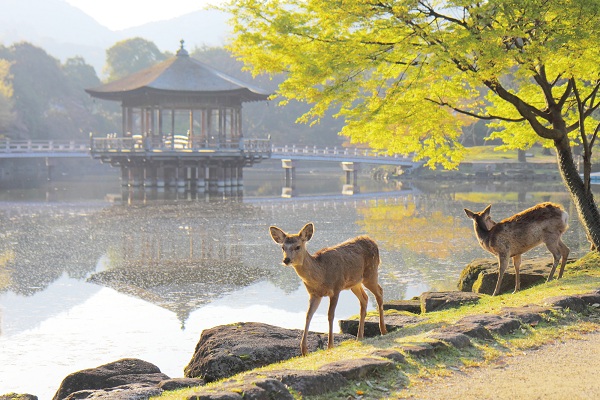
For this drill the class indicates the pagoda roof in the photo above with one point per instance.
(179, 75)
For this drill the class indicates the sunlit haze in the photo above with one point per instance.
(122, 14)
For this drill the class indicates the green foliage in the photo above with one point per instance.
(131, 55)
(44, 99)
(264, 118)
(401, 72)
(6, 92)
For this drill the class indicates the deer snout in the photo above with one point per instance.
(286, 260)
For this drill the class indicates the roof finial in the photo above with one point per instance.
(182, 51)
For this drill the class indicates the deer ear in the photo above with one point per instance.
(277, 234)
(307, 232)
(487, 210)
(470, 213)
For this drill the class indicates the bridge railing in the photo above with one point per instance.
(334, 152)
(43, 146)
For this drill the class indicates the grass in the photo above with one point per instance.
(487, 153)
(580, 276)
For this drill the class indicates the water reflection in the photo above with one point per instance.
(87, 281)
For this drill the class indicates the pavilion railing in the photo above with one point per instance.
(135, 143)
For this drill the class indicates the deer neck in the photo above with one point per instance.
(309, 269)
(483, 235)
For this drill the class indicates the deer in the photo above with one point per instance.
(513, 236)
(348, 265)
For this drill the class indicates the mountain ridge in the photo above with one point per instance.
(65, 31)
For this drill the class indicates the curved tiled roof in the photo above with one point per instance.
(180, 74)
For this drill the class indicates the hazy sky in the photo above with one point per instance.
(121, 14)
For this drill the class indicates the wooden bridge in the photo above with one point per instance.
(100, 148)
(177, 161)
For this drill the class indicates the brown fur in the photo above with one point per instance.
(511, 237)
(348, 265)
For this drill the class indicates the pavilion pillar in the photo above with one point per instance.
(136, 175)
(240, 176)
(124, 175)
(150, 175)
(181, 176)
(201, 177)
(170, 176)
(160, 176)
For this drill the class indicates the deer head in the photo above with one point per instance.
(294, 245)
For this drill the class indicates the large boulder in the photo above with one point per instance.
(480, 276)
(122, 372)
(226, 350)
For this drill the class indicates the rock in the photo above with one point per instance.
(456, 339)
(573, 303)
(392, 322)
(411, 306)
(435, 301)
(494, 323)
(310, 383)
(251, 388)
(470, 329)
(392, 355)
(590, 298)
(16, 396)
(180, 383)
(137, 391)
(215, 396)
(418, 349)
(480, 276)
(226, 350)
(268, 388)
(529, 314)
(356, 368)
(121, 372)
(471, 272)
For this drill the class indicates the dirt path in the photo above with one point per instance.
(569, 370)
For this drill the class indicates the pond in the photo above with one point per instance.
(89, 274)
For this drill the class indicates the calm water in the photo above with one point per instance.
(87, 278)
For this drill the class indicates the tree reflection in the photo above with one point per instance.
(416, 226)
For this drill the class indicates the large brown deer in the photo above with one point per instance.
(349, 265)
(511, 237)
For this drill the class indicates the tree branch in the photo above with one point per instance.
(528, 112)
(474, 115)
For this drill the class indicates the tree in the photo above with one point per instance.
(264, 118)
(6, 92)
(129, 56)
(401, 71)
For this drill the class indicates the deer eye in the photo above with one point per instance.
(297, 248)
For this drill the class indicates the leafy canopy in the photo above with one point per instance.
(403, 72)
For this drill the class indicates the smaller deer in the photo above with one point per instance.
(511, 237)
(349, 265)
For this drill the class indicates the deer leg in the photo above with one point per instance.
(502, 263)
(333, 300)
(378, 293)
(313, 304)
(517, 264)
(554, 248)
(564, 251)
(363, 298)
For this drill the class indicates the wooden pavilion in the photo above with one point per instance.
(181, 126)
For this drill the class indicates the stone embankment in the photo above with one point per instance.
(225, 351)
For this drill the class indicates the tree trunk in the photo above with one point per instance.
(583, 199)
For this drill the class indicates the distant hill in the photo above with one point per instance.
(65, 31)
